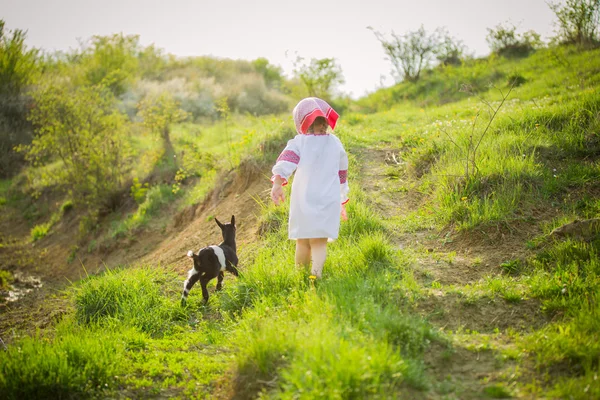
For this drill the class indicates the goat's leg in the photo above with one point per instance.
(193, 277)
(203, 282)
(220, 280)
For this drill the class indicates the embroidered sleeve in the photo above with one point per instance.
(287, 162)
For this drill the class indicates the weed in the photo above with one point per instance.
(39, 231)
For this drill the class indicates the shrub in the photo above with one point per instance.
(410, 53)
(6, 279)
(319, 76)
(39, 231)
(18, 68)
(578, 22)
(81, 129)
(505, 41)
(138, 190)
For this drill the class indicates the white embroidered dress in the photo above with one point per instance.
(320, 185)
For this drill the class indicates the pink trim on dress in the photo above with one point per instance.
(289, 156)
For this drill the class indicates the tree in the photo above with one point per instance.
(410, 53)
(111, 61)
(578, 22)
(271, 74)
(81, 129)
(19, 68)
(158, 113)
(320, 76)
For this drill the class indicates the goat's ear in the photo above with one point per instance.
(233, 220)
(190, 254)
(219, 223)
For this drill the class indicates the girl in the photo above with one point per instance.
(320, 187)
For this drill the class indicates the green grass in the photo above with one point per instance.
(77, 363)
(131, 298)
(6, 278)
(155, 198)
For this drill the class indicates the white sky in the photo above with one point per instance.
(275, 29)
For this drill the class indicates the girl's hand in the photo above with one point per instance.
(277, 194)
(343, 213)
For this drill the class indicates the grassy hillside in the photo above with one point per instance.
(446, 282)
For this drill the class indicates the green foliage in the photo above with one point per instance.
(413, 52)
(39, 231)
(505, 41)
(111, 61)
(320, 77)
(19, 67)
(497, 392)
(82, 130)
(155, 198)
(159, 113)
(180, 177)
(272, 74)
(449, 50)
(66, 206)
(578, 22)
(6, 278)
(138, 190)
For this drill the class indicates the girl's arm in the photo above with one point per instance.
(286, 164)
(277, 194)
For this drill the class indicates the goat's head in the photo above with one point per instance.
(228, 229)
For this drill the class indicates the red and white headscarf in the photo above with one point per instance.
(310, 108)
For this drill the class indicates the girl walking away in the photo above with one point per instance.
(320, 187)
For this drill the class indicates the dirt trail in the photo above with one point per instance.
(446, 266)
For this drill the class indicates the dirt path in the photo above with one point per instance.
(478, 326)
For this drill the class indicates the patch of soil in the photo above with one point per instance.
(462, 373)
(375, 178)
(450, 269)
(452, 311)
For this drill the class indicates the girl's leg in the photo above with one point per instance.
(302, 252)
(318, 248)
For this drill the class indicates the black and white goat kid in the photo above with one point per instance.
(211, 262)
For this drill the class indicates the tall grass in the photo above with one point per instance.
(131, 298)
(77, 363)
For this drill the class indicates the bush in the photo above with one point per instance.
(39, 231)
(412, 52)
(505, 41)
(578, 22)
(81, 129)
(18, 68)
